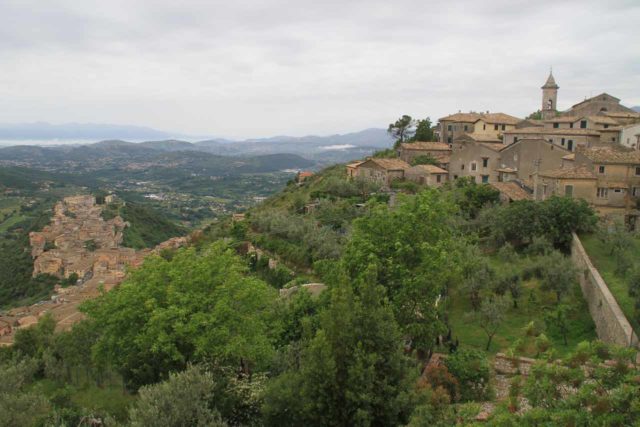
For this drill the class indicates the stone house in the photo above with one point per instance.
(577, 182)
(565, 138)
(493, 125)
(429, 175)
(456, 125)
(475, 158)
(383, 171)
(523, 158)
(438, 150)
(630, 136)
(485, 125)
(352, 169)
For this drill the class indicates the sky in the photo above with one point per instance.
(245, 69)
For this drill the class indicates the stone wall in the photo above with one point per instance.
(611, 324)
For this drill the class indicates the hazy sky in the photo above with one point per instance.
(240, 68)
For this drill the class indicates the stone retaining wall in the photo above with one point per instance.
(611, 324)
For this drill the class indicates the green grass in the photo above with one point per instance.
(606, 265)
(11, 221)
(471, 334)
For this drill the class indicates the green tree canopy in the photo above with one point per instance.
(402, 129)
(424, 132)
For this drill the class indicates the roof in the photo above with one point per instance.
(603, 119)
(305, 174)
(430, 168)
(495, 146)
(500, 118)
(355, 164)
(512, 190)
(432, 146)
(461, 117)
(479, 138)
(391, 164)
(531, 140)
(563, 119)
(622, 114)
(610, 155)
(571, 156)
(550, 83)
(579, 172)
(547, 131)
(593, 98)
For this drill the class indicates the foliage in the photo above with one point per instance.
(147, 227)
(424, 131)
(402, 129)
(536, 115)
(18, 405)
(490, 316)
(471, 369)
(412, 250)
(558, 274)
(184, 399)
(352, 372)
(196, 306)
(471, 197)
(426, 159)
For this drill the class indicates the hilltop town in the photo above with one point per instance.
(85, 252)
(590, 150)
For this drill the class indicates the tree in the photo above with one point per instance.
(491, 315)
(402, 129)
(558, 320)
(19, 406)
(424, 132)
(352, 372)
(185, 399)
(471, 369)
(559, 274)
(194, 307)
(477, 273)
(414, 250)
(427, 159)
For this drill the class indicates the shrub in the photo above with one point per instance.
(471, 369)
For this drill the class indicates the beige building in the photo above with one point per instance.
(564, 138)
(383, 171)
(523, 158)
(352, 169)
(483, 125)
(577, 182)
(475, 158)
(430, 175)
(437, 150)
(456, 125)
(603, 103)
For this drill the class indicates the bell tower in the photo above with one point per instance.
(549, 98)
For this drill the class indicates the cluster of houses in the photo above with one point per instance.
(591, 150)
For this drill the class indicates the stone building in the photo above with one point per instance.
(429, 175)
(564, 138)
(437, 150)
(549, 98)
(455, 125)
(484, 125)
(383, 171)
(523, 158)
(630, 136)
(577, 182)
(603, 103)
(475, 158)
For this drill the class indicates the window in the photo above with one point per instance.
(544, 189)
(551, 140)
(449, 140)
(606, 126)
(504, 127)
(485, 179)
(485, 162)
(474, 166)
(438, 178)
(617, 190)
(601, 169)
(495, 127)
(484, 127)
(568, 190)
(570, 125)
(602, 193)
(636, 191)
(515, 139)
(455, 176)
(556, 125)
(637, 170)
(449, 128)
(465, 128)
(562, 142)
(583, 124)
(570, 145)
(613, 139)
(462, 167)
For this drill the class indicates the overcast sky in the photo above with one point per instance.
(240, 68)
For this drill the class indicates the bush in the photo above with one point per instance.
(471, 369)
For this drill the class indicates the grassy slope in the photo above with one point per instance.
(606, 265)
(471, 335)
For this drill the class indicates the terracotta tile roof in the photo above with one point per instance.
(594, 98)
(622, 115)
(500, 118)
(430, 168)
(433, 146)
(603, 119)
(512, 190)
(355, 164)
(609, 155)
(391, 164)
(539, 131)
(580, 172)
(462, 117)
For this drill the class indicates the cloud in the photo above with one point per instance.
(259, 68)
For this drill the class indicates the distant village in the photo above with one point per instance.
(590, 151)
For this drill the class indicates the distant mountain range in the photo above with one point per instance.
(636, 108)
(324, 149)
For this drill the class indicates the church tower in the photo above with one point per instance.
(549, 98)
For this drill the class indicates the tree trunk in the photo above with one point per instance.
(489, 342)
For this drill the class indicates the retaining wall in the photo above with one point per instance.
(611, 324)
